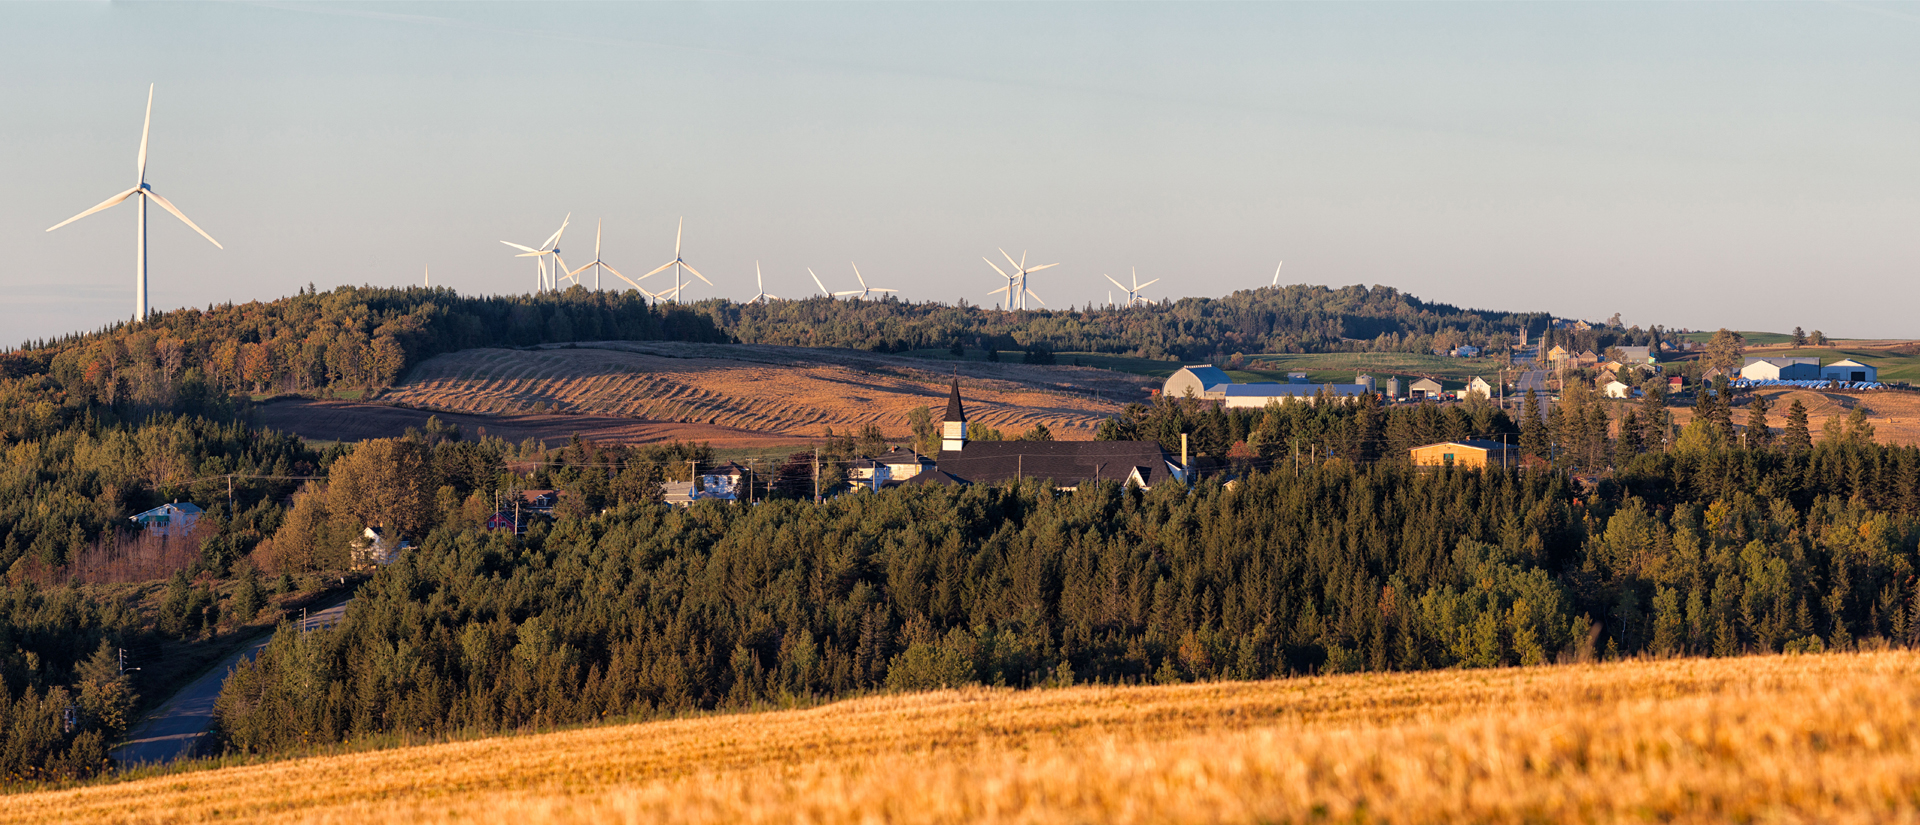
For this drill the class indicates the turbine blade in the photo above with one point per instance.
(996, 268)
(597, 226)
(816, 281)
(1276, 272)
(1147, 284)
(848, 292)
(562, 262)
(663, 267)
(1002, 289)
(877, 289)
(183, 218)
(1110, 278)
(519, 247)
(757, 282)
(631, 282)
(609, 269)
(1010, 261)
(856, 274)
(144, 128)
(676, 237)
(696, 273)
(1036, 297)
(1043, 266)
(534, 254)
(103, 204)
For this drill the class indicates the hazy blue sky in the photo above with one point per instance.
(1739, 164)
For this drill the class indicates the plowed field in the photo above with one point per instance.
(1895, 416)
(785, 391)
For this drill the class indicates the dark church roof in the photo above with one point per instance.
(954, 413)
(1067, 463)
(930, 476)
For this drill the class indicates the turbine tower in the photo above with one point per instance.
(1133, 294)
(676, 264)
(598, 265)
(1016, 288)
(146, 193)
(544, 280)
(865, 291)
(760, 297)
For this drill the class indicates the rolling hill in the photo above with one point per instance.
(1829, 738)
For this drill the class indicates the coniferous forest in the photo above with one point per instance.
(1310, 546)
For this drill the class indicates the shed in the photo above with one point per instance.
(1849, 370)
(1781, 369)
(1257, 396)
(175, 519)
(1203, 380)
(1473, 453)
(1424, 388)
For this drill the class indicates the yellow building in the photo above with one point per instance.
(1470, 453)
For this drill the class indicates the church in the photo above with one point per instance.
(1067, 464)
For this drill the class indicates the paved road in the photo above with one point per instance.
(1535, 380)
(172, 730)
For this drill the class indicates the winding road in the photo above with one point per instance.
(171, 731)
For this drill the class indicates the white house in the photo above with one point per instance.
(1849, 370)
(1466, 351)
(1617, 389)
(374, 549)
(1781, 369)
(1480, 384)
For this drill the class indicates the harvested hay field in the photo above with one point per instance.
(1828, 738)
(771, 390)
(357, 421)
(1895, 415)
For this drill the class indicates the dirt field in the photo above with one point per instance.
(356, 421)
(1895, 416)
(771, 391)
(1829, 738)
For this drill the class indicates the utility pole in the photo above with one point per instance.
(816, 474)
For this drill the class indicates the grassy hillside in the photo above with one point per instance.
(1334, 367)
(1830, 738)
(1754, 339)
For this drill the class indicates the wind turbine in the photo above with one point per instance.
(823, 287)
(598, 265)
(1016, 288)
(761, 297)
(146, 193)
(1133, 295)
(544, 280)
(1276, 273)
(865, 291)
(676, 264)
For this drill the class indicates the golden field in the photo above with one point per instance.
(763, 389)
(1828, 738)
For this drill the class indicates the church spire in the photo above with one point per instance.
(953, 427)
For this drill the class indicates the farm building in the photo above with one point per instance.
(1067, 464)
(1473, 452)
(1849, 370)
(1618, 389)
(1466, 351)
(1202, 380)
(1425, 388)
(1781, 369)
(1257, 396)
(176, 519)
(1637, 355)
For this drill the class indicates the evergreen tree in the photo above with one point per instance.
(1759, 435)
(1796, 438)
(1533, 430)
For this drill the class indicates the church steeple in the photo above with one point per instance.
(953, 428)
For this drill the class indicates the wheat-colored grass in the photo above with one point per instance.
(1831, 738)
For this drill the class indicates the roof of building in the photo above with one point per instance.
(1269, 390)
(1209, 375)
(1475, 443)
(954, 412)
(931, 475)
(676, 492)
(1849, 362)
(901, 455)
(1067, 463)
(184, 508)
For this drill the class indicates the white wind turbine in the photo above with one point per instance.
(823, 287)
(1133, 295)
(865, 291)
(1016, 288)
(544, 280)
(598, 265)
(146, 193)
(1276, 273)
(761, 297)
(676, 265)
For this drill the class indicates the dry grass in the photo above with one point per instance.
(1832, 738)
(1895, 416)
(785, 390)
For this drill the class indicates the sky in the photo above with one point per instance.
(1754, 166)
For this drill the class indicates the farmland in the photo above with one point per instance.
(1831, 738)
(1329, 367)
(763, 390)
